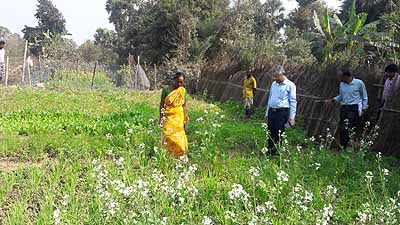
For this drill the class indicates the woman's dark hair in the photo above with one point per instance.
(392, 68)
(346, 72)
(179, 74)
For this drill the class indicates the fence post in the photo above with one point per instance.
(29, 75)
(24, 65)
(137, 73)
(7, 64)
(94, 74)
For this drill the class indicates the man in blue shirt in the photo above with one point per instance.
(353, 99)
(281, 107)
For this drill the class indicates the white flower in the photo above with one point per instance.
(267, 221)
(207, 221)
(184, 159)
(230, 215)
(270, 206)
(127, 191)
(261, 209)
(385, 172)
(238, 193)
(120, 161)
(254, 172)
(326, 216)
(254, 220)
(264, 126)
(142, 146)
(200, 119)
(56, 213)
(64, 202)
(264, 150)
(331, 190)
(130, 131)
(369, 175)
(164, 221)
(56, 216)
(109, 136)
(216, 125)
(316, 165)
(308, 197)
(379, 156)
(282, 176)
(363, 217)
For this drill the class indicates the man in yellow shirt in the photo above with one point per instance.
(249, 88)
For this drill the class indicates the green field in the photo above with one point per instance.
(93, 157)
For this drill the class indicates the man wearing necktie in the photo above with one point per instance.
(281, 107)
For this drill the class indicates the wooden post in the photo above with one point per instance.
(29, 75)
(7, 64)
(24, 65)
(155, 77)
(94, 74)
(137, 73)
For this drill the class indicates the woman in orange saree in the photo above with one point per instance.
(173, 117)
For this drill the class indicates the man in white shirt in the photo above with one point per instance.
(2, 59)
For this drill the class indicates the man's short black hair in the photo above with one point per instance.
(392, 68)
(346, 72)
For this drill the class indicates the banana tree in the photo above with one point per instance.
(341, 36)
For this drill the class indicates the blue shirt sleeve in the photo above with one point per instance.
(364, 96)
(269, 98)
(292, 101)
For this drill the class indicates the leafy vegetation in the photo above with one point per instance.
(51, 23)
(94, 157)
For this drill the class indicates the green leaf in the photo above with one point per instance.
(337, 20)
(327, 25)
(352, 12)
(359, 23)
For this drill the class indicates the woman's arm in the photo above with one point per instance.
(186, 118)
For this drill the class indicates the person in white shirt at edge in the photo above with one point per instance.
(2, 59)
(281, 107)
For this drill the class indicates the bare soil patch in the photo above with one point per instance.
(11, 165)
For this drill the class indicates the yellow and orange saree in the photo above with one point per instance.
(174, 136)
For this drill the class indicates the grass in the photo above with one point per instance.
(99, 161)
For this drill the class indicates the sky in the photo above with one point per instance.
(83, 16)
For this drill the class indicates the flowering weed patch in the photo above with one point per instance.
(106, 166)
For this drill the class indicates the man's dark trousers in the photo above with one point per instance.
(277, 118)
(349, 119)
